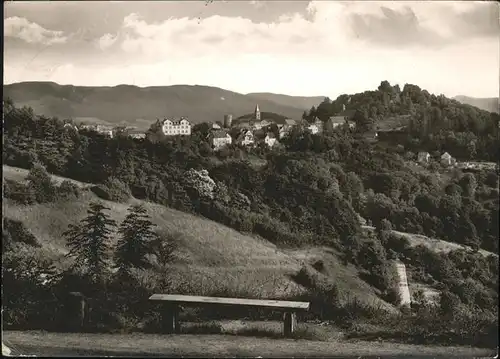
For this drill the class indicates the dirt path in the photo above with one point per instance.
(59, 344)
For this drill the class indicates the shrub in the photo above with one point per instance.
(18, 192)
(323, 295)
(16, 232)
(113, 190)
(27, 284)
(68, 190)
(41, 183)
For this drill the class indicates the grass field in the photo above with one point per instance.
(188, 345)
(437, 245)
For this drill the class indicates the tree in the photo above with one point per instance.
(136, 239)
(469, 185)
(41, 183)
(89, 241)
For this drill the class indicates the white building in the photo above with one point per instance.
(219, 139)
(181, 127)
(446, 159)
(105, 130)
(246, 138)
(270, 139)
(313, 128)
(423, 157)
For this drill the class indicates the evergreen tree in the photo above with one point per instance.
(137, 239)
(89, 241)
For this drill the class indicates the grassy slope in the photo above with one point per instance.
(137, 106)
(210, 255)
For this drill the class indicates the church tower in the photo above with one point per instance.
(257, 113)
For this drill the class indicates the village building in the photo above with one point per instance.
(344, 119)
(70, 126)
(315, 127)
(423, 157)
(137, 134)
(270, 139)
(105, 130)
(284, 129)
(261, 124)
(447, 159)
(245, 138)
(256, 115)
(219, 139)
(176, 127)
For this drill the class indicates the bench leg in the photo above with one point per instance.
(170, 319)
(290, 322)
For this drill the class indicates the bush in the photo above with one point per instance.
(27, 283)
(112, 190)
(68, 190)
(323, 295)
(16, 232)
(41, 183)
(18, 192)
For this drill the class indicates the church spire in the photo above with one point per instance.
(257, 113)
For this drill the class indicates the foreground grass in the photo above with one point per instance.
(47, 344)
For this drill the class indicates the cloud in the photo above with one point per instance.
(106, 41)
(393, 27)
(258, 4)
(30, 32)
(349, 46)
(482, 20)
(424, 23)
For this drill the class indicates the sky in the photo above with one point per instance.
(303, 48)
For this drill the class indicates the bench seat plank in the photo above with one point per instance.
(233, 301)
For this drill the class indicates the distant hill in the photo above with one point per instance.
(487, 104)
(304, 103)
(270, 116)
(139, 106)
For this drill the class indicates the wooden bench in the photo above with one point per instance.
(172, 303)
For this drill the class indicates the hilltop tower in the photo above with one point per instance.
(257, 113)
(228, 119)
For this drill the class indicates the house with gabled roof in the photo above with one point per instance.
(270, 139)
(219, 139)
(447, 159)
(423, 157)
(245, 138)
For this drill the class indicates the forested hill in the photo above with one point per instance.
(303, 102)
(139, 106)
(433, 123)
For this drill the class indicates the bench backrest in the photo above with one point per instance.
(281, 304)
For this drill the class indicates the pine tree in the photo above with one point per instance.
(89, 241)
(137, 239)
